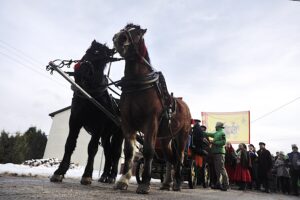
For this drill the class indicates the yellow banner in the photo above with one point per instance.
(237, 125)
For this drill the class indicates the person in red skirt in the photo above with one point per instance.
(230, 161)
(242, 175)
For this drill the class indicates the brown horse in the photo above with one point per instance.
(145, 106)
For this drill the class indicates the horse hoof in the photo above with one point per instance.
(143, 189)
(121, 186)
(176, 188)
(56, 178)
(102, 179)
(86, 180)
(110, 180)
(165, 187)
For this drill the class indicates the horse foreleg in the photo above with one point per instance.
(70, 145)
(148, 153)
(92, 150)
(129, 149)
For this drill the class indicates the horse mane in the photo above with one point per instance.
(95, 44)
(131, 25)
(144, 51)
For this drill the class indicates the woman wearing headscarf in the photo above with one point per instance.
(230, 161)
(253, 167)
(242, 175)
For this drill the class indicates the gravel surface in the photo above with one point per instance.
(25, 188)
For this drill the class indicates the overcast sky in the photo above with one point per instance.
(219, 55)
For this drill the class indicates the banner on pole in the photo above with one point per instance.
(237, 125)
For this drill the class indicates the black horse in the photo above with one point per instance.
(89, 74)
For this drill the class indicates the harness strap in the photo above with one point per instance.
(150, 67)
(134, 84)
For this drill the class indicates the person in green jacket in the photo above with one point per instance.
(218, 150)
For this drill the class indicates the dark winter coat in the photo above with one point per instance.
(252, 157)
(294, 166)
(264, 163)
(198, 145)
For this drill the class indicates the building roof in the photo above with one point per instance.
(59, 111)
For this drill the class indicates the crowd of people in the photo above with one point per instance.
(245, 167)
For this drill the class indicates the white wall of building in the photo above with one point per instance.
(58, 136)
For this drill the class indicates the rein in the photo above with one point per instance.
(52, 66)
(150, 67)
(137, 84)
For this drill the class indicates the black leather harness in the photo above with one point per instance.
(137, 84)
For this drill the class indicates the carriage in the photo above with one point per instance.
(194, 171)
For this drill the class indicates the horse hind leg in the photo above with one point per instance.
(129, 150)
(116, 144)
(165, 145)
(107, 148)
(178, 147)
(92, 150)
(166, 185)
(69, 148)
(177, 177)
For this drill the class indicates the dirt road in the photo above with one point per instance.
(26, 188)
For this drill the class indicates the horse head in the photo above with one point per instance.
(89, 72)
(129, 42)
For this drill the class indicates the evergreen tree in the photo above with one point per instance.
(36, 141)
(4, 146)
(21, 147)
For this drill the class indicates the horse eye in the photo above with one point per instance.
(122, 38)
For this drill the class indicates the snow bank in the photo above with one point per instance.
(49, 162)
(43, 168)
(26, 170)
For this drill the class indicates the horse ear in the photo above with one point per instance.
(94, 42)
(113, 51)
(144, 31)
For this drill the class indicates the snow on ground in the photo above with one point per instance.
(26, 170)
(46, 170)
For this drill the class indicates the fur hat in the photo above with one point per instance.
(262, 143)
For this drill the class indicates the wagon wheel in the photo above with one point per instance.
(206, 176)
(192, 175)
(139, 170)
